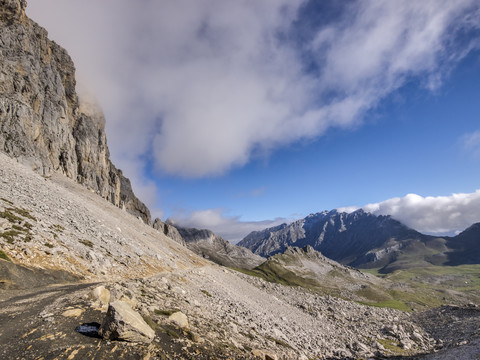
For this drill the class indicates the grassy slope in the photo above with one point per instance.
(415, 288)
(435, 285)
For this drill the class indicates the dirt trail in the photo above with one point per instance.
(31, 327)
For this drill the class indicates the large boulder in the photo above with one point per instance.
(123, 323)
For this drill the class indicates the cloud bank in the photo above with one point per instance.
(436, 215)
(231, 228)
(201, 86)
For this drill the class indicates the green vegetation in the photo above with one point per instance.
(10, 235)
(58, 228)
(248, 335)
(4, 256)
(276, 273)
(22, 212)
(392, 346)
(86, 243)
(392, 304)
(10, 216)
(150, 322)
(206, 293)
(7, 201)
(173, 334)
(166, 312)
(48, 245)
(432, 285)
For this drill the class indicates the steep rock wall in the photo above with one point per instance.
(41, 121)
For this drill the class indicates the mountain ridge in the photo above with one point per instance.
(361, 239)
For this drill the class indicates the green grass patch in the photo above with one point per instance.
(392, 346)
(10, 216)
(173, 334)
(206, 293)
(432, 286)
(4, 256)
(248, 335)
(85, 242)
(165, 312)
(22, 212)
(10, 236)
(391, 304)
(150, 322)
(276, 273)
(48, 245)
(58, 228)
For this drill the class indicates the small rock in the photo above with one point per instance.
(180, 319)
(73, 313)
(264, 355)
(101, 294)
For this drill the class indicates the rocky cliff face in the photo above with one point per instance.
(42, 121)
(169, 230)
(210, 246)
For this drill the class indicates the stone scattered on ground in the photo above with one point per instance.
(180, 319)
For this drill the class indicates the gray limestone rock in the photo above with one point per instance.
(42, 120)
(123, 323)
(169, 230)
(208, 245)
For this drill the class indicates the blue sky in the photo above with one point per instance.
(238, 115)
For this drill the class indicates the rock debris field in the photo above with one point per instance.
(53, 230)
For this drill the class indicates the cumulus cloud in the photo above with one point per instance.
(231, 228)
(202, 85)
(438, 215)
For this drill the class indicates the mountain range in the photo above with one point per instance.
(364, 240)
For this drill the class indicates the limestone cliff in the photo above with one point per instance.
(42, 122)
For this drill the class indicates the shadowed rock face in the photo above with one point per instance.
(169, 230)
(42, 120)
(208, 245)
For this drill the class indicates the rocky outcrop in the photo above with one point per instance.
(210, 246)
(169, 230)
(43, 123)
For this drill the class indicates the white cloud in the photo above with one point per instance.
(203, 84)
(471, 143)
(431, 214)
(231, 228)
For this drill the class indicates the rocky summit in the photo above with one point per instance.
(85, 275)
